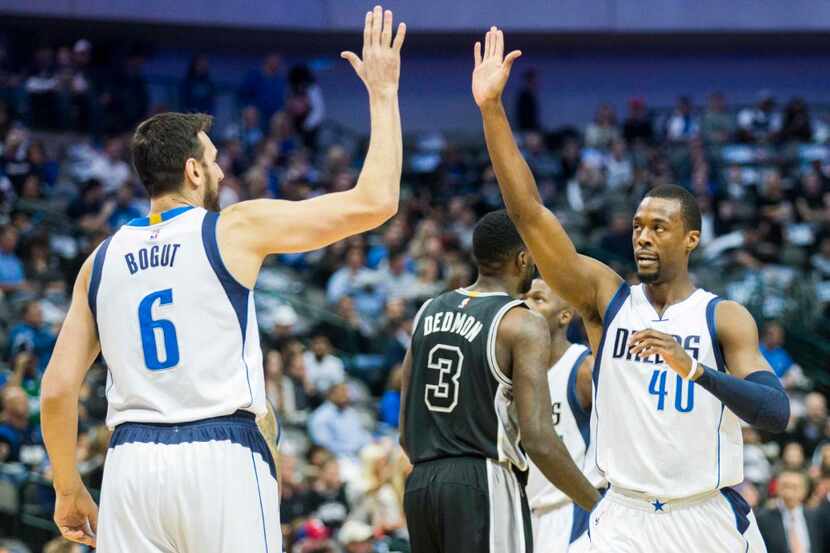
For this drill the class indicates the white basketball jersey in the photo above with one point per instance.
(655, 432)
(572, 423)
(178, 333)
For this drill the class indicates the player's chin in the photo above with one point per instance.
(648, 276)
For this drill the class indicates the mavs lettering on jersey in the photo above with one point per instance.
(177, 331)
(645, 438)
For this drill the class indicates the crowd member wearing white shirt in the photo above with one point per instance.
(323, 368)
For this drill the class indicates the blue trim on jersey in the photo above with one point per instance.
(579, 523)
(165, 216)
(95, 278)
(239, 428)
(261, 510)
(237, 294)
(713, 332)
(713, 337)
(582, 416)
(611, 311)
(740, 507)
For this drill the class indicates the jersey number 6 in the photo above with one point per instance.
(442, 396)
(153, 329)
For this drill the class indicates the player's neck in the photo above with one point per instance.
(164, 203)
(559, 345)
(488, 284)
(663, 294)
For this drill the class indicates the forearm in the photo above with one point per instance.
(379, 182)
(552, 458)
(59, 421)
(518, 187)
(759, 399)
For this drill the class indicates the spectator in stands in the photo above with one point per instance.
(324, 369)
(336, 425)
(616, 241)
(527, 103)
(264, 88)
(305, 104)
(327, 495)
(12, 277)
(760, 122)
(796, 125)
(619, 168)
(398, 282)
(792, 457)
(31, 335)
(351, 333)
(603, 131)
(294, 496)
(84, 87)
(42, 89)
(89, 210)
(717, 125)
(637, 127)
(198, 90)
(810, 430)
(772, 348)
(788, 527)
(682, 124)
(821, 259)
(812, 202)
(129, 97)
(125, 209)
(361, 283)
(379, 498)
(15, 163)
(390, 402)
(356, 537)
(16, 430)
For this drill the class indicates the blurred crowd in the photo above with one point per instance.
(336, 322)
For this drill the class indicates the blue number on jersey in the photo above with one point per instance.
(148, 332)
(657, 387)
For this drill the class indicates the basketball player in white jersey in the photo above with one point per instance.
(558, 523)
(168, 301)
(677, 368)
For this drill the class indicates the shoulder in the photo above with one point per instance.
(521, 322)
(733, 321)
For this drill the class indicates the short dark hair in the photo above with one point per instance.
(162, 144)
(688, 203)
(495, 241)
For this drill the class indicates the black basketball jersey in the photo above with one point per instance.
(458, 401)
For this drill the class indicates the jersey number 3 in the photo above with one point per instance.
(442, 396)
(155, 330)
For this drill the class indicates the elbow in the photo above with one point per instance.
(775, 415)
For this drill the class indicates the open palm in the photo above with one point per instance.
(492, 67)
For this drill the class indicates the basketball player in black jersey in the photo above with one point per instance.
(476, 404)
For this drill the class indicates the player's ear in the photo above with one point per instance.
(193, 170)
(692, 240)
(565, 317)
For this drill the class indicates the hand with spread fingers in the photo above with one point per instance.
(380, 66)
(76, 515)
(492, 67)
(649, 341)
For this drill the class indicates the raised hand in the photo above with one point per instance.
(492, 67)
(380, 67)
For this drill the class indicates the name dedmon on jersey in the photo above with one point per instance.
(463, 324)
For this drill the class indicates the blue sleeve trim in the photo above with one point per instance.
(711, 308)
(95, 278)
(582, 416)
(610, 312)
(237, 294)
(740, 508)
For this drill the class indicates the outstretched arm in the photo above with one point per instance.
(75, 513)
(278, 226)
(584, 283)
(526, 335)
(749, 388)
